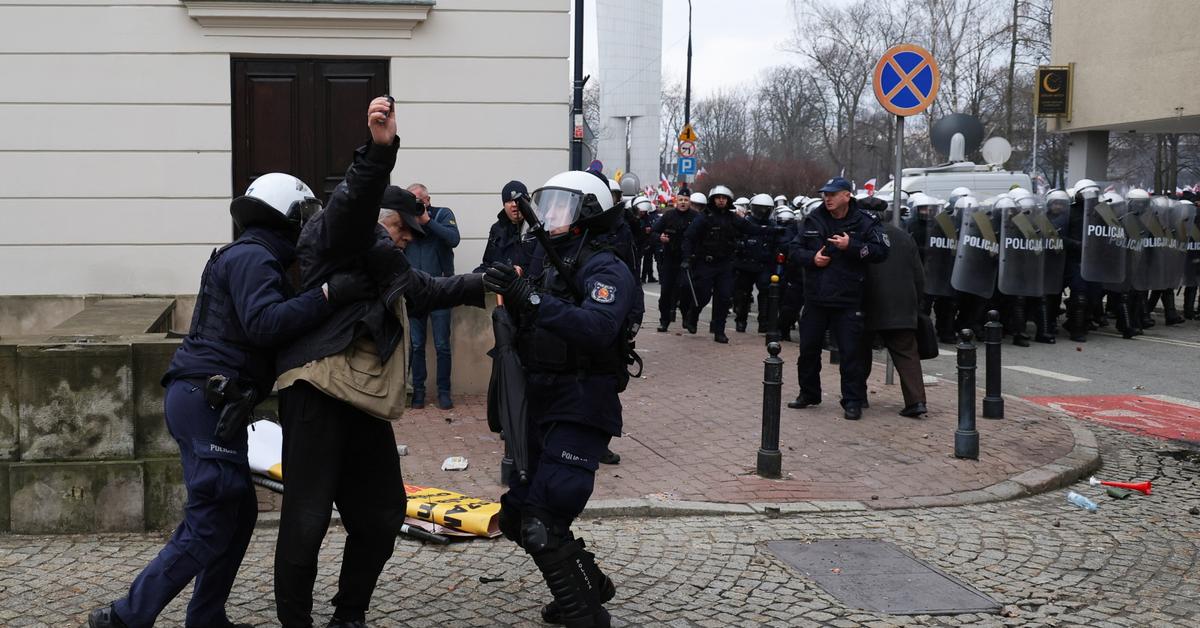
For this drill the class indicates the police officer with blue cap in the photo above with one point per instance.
(833, 248)
(577, 312)
(246, 310)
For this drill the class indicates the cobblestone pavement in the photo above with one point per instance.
(1133, 563)
(693, 429)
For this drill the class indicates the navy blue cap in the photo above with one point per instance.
(513, 190)
(837, 184)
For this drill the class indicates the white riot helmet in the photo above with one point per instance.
(721, 190)
(575, 199)
(699, 199)
(742, 202)
(1112, 198)
(1058, 201)
(761, 206)
(784, 215)
(780, 200)
(1019, 193)
(964, 203)
(960, 191)
(642, 204)
(799, 201)
(1084, 185)
(923, 204)
(1138, 200)
(811, 206)
(277, 201)
(615, 189)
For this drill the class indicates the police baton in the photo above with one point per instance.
(687, 272)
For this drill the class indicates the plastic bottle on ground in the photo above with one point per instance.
(1082, 502)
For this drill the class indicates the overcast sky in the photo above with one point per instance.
(733, 41)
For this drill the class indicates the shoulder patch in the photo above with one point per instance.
(886, 241)
(603, 293)
(864, 251)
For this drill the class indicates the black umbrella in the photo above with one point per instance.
(506, 408)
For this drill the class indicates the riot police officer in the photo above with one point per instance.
(710, 242)
(575, 324)
(647, 244)
(1058, 213)
(1082, 292)
(833, 247)
(753, 262)
(675, 288)
(792, 300)
(246, 309)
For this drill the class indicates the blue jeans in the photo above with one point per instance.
(441, 344)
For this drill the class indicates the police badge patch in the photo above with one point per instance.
(864, 251)
(603, 293)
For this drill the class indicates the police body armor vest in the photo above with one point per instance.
(215, 316)
(719, 240)
(543, 351)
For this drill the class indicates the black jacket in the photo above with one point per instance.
(674, 223)
(895, 286)
(338, 238)
(840, 284)
(504, 244)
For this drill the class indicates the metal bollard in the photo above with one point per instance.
(773, 334)
(770, 461)
(993, 340)
(966, 439)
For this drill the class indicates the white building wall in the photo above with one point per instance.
(630, 69)
(115, 128)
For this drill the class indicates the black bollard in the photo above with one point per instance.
(773, 333)
(966, 439)
(770, 461)
(993, 340)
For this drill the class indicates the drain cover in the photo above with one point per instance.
(878, 576)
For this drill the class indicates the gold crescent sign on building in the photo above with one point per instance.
(1052, 96)
(1048, 84)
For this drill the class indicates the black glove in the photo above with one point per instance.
(685, 264)
(503, 279)
(348, 287)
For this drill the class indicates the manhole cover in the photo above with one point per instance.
(878, 576)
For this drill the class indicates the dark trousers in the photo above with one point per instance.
(902, 345)
(563, 458)
(647, 267)
(714, 280)
(218, 520)
(417, 333)
(846, 323)
(334, 454)
(674, 291)
(744, 283)
(790, 304)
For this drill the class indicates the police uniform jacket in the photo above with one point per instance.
(245, 311)
(756, 252)
(713, 237)
(674, 223)
(894, 287)
(840, 284)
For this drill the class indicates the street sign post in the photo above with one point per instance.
(906, 83)
(687, 166)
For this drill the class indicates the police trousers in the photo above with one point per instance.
(334, 453)
(714, 280)
(846, 323)
(744, 283)
(218, 519)
(674, 291)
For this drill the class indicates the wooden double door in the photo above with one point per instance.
(304, 117)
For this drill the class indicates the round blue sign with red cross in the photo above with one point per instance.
(906, 79)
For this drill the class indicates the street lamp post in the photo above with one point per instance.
(577, 101)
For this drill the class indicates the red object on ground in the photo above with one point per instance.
(1141, 415)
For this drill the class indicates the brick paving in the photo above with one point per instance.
(1047, 563)
(693, 429)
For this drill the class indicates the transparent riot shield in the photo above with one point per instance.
(1191, 269)
(975, 261)
(1135, 267)
(941, 241)
(1103, 257)
(1157, 254)
(1177, 242)
(1053, 223)
(1022, 261)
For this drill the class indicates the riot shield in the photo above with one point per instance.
(941, 240)
(1103, 257)
(1022, 262)
(1157, 254)
(1191, 269)
(975, 261)
(1177, 242)
(1053, 249)
(1133, 242)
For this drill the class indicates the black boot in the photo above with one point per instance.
(1189, 303)
(1146, 305)
(104, 618)
(1017, 320)
(1041, 323)
(1169, 312)
(1123, 315)
(577, 585)
(552, 612)
(1136, 311)
(1076, 319)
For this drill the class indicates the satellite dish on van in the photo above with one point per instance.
(942, 135)
(996, 151)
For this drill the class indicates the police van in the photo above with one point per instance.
(984, 181)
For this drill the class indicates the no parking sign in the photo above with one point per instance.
(906, 79)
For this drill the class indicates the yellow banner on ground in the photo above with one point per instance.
(453, 510)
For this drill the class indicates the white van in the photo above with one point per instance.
(983, 181)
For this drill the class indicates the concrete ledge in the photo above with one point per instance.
(642, 507)
(76, 497)
(164, 493)
(4, 499)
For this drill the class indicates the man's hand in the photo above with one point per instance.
(504, 280)
(821, 260)
(348, 287)
(424, 218)
(841, 241)
(382, 121)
